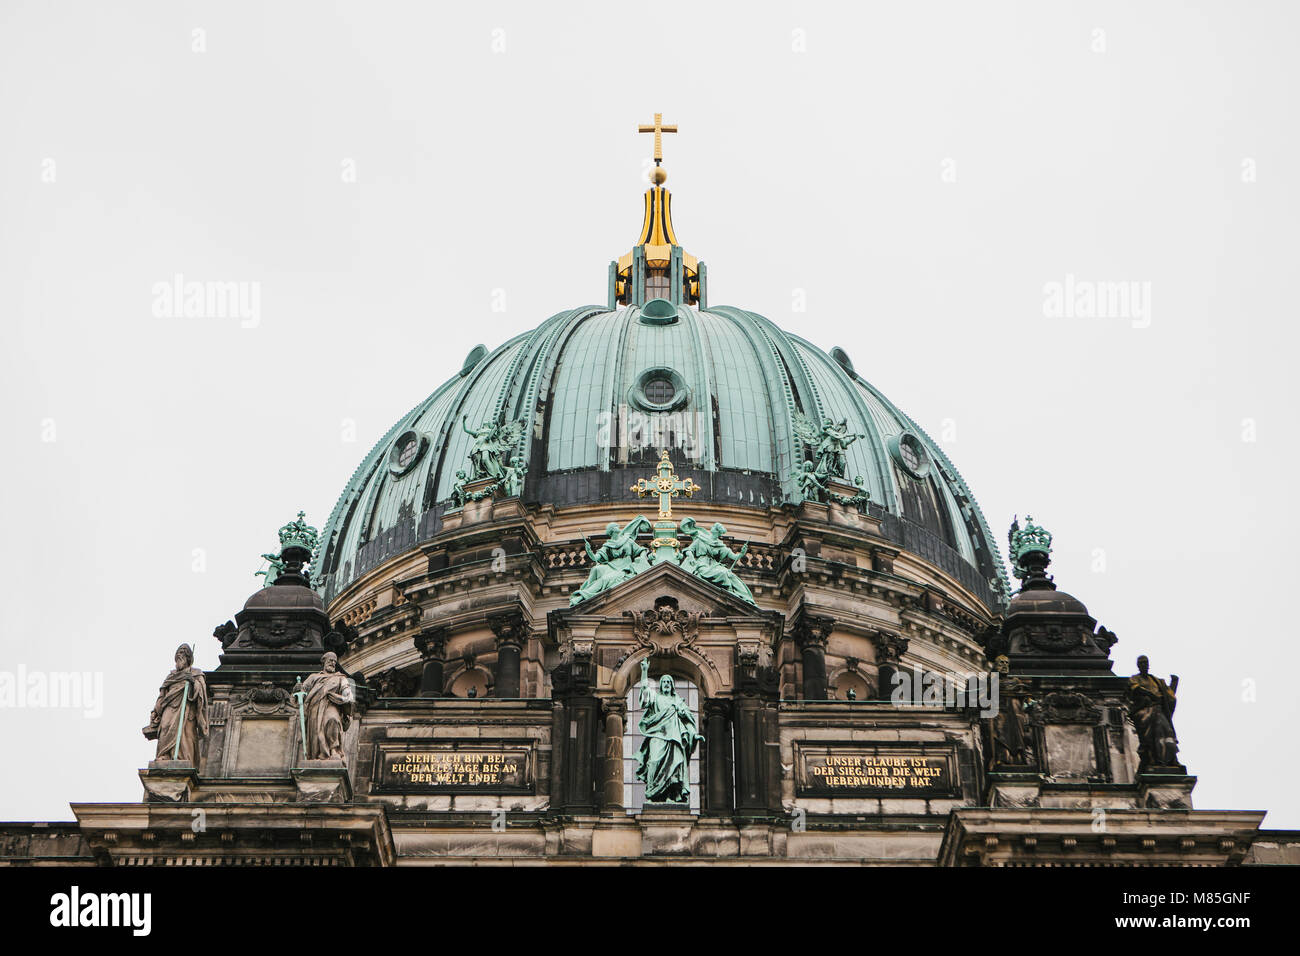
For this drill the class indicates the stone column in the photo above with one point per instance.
(889, 650)
(512, 632)
(811, 635)
(750, 793)
(559, 730)
(580, 754)
(612, 789)
(757, 742)
(717, 749)
(574, 728)
(432, 645)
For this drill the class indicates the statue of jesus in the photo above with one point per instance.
(669, 735)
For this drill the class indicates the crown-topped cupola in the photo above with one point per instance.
(657, 267)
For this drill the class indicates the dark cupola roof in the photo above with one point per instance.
(1046, 630)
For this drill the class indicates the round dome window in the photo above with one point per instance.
(659, 390)
(407, 450)
(906, 449)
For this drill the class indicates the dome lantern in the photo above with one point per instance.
(657, 267)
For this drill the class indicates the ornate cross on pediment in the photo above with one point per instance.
(666, 485)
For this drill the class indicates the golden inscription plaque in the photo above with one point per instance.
(471, 766)
(838, 770)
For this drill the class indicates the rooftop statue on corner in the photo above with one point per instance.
(1151, 706)
(179, 718)
(326, 700)
(829, 441)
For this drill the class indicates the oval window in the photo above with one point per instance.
(407, 450)
(906, 449)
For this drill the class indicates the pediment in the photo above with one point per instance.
(637, 594)
(668, 614)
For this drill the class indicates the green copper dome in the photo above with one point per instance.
(601, 390)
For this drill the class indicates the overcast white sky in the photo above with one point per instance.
(919, 172)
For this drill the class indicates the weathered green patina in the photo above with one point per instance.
(494, 442)
(710, 560)
(296, 534)
(619, 559)
(669, 736)
(829, 441)
(573, 380)
(1023, 541)
(495, 466)
(274, 568)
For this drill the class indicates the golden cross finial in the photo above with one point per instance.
(666, 485)
(658, 129)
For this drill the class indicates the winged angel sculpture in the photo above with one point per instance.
(829, 441)
(493, 442)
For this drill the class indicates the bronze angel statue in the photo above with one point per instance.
(494, 442)
(617, 560)
(829, 441)
(709, 559)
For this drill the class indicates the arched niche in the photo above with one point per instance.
(633, 789)
(859, 681)
(687, 663)
(470, 677)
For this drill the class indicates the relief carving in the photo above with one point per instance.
(665, 630)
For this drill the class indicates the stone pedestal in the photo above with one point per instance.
(839, 486)
(169, 781)
(323, 781)
(613, 838)
(1012, 789)
(665, 829)
(480, 496)
(1165, 791)
(845, 507)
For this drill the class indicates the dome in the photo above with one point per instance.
(284, 597)
(599, 390)
(1045, 601)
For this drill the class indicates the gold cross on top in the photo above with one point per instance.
(667, 486)
(658, 129)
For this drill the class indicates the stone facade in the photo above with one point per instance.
(492, 720)
(442, 685)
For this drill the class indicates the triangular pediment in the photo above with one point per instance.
(640, 592)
